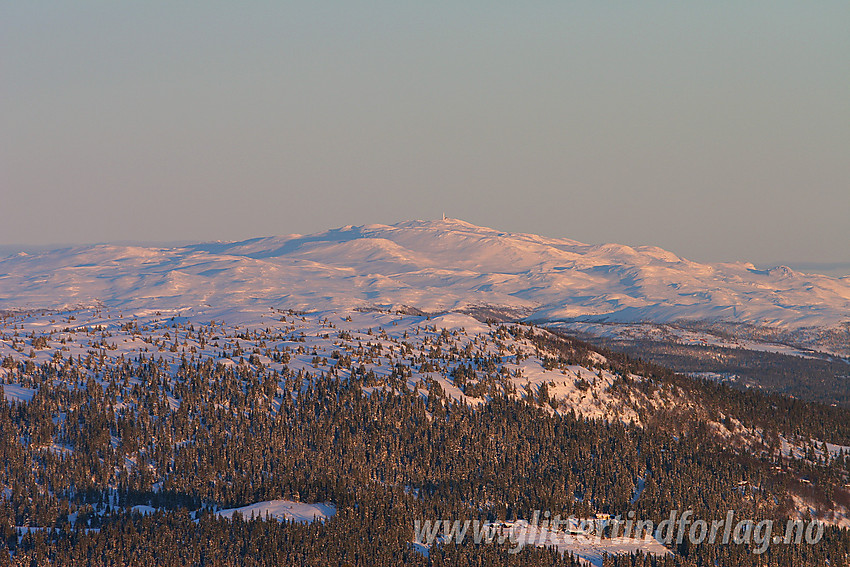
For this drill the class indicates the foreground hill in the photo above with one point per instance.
(380, 419)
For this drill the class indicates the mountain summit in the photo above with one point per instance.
(432, 266)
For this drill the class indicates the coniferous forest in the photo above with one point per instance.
(98, 438)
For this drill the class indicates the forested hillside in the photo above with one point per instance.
(391, 418)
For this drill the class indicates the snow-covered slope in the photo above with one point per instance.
(428, 265)
(310, 342)
(283, 510)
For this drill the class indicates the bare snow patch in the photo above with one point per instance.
(284, 510)
(16, 393)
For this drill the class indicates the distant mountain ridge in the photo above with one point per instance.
(432, 266)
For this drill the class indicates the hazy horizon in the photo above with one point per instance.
(834, 269)
(718, 132)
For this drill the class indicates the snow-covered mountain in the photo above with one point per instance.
(432, 266)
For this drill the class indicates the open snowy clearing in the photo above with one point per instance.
(288, 510)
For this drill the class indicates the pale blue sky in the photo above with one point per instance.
(718, 130)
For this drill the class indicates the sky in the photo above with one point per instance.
(717, 130)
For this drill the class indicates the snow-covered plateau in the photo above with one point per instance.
(432, 267)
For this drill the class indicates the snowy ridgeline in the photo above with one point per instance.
(677, 335)
(280, 510)
(432, 266)
(469, 360)
(283, 510)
